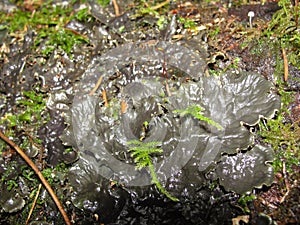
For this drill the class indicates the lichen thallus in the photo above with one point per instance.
(142, 151)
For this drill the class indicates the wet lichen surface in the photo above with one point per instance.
(169, 113)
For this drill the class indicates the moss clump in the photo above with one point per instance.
(30, 111)
(49, 23)
(285, 139)
(284, 29)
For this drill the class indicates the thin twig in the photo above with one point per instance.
(116, 7)
(76, 33)
(40, 149)
(288, 191)
(40, 175)
(285, 64)
(286, 181)
(34, 203)
(104, 96)
(168, 89)
(123, 106)
(96, 86)
(285, 175)
(266, 203)
(296, 13)
(160, 5)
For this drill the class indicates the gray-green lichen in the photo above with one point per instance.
(242, 172)
(153, 81)
(11, 201)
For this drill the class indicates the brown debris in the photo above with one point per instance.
(280, 204)
(264, 11)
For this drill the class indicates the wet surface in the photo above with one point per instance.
(191, 148)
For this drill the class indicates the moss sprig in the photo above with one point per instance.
(141, 152)
(197, 112)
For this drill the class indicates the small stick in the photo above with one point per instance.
(104, 98)
(116, 7)
(123, 106)
(40, 175)
(286, 181)
(296, 13)
(76, 33)
(270, 205)
(168, 90)
(96, 86)
(285, 63)
(285, 175)
(160, 5)
(34, 203)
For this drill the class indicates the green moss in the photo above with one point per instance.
(48, 22)
(162, 22)
(187, 23)
(285, 139)
(54, 175)
(30, 109)
(28, 174)
(142, 11)
(26, 118)
(215, 32)
(84, 15)
(283, 136)
(141, 152)
(197, 112)
(62, 38)
(244, 200)
(31, 182)
(103, 3)
(283, 30)
(7, 178)
(11, 184)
